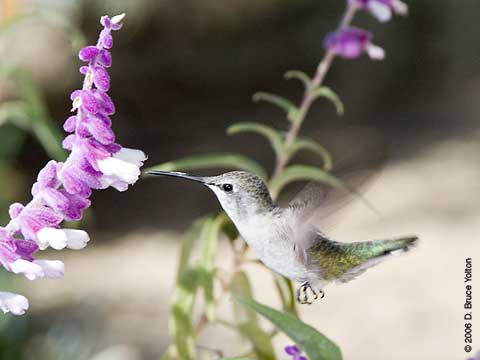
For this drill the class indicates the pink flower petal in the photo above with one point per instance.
(105, 103)
(105, 58)
(69, 124)
(68, 142)
(15, 210)
(89, 102)
(100, 131)
(26, 248)
(101, 79)
(47, 177)
(77, 204)
(55, 199)
(88, 53)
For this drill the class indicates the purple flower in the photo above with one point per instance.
(16, 255)
(295, 352)
(351, 43)
(382, 9)
(62, 190)
(475, 357)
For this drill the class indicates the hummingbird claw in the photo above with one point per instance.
(302, 294)
(305, 295)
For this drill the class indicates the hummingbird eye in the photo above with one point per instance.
(227, 187)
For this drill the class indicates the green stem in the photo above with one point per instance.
(308, 97)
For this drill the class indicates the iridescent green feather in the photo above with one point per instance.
(342, 261)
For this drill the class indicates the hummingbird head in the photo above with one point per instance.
(240, 193)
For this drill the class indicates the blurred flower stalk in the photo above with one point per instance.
(63, 189)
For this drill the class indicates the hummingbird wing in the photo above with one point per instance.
(355, 167)
(317, 201)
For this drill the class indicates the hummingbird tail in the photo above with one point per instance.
(393, 246)
(371, 253)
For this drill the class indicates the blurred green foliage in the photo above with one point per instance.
(28, 113)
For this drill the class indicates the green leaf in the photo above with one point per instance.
(208, 243)
(188, 283)
(271, 134)
(230, 230)
(237, 358)
(41, 125)
(286, 292)
(299, 75)
(170, 353)
(328, 93)
(278, 101)
(247, 319)
(187, 245)
(50, 138)
(10, 179)
(301, 173)
(28, 90)
(11, 141)
(242, 289)
(190, 279)
(313, 146)
(261, 340)
(181, 328)
(32, 114)
(15, 112)
(209, 161)
(316, 345)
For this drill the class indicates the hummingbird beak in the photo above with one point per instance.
(178, 175)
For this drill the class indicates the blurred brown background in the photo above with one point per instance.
(185, 70)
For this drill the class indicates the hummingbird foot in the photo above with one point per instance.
(303, 294)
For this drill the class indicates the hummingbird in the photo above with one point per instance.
(285, 238)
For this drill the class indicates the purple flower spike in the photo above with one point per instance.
(62, 190)
(382, 9)
(351, 43)
(295, 352)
